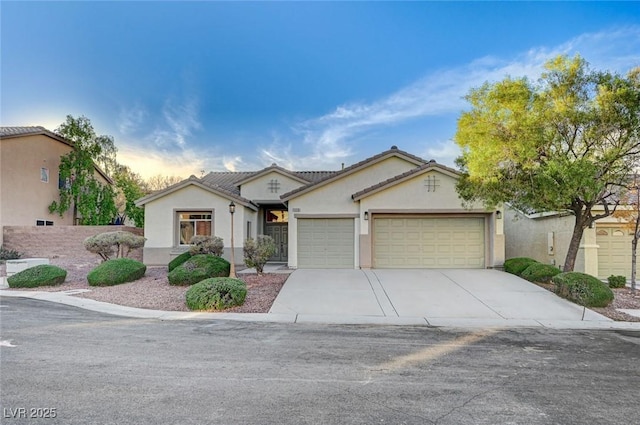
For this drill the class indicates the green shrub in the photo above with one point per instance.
(257, 252)
(118, 243)
(179, 260)
(116, 271)
(582, 289)
(518, 265)
(206, 245)
(617, 281)
(541, 273)
(9, 254)
(216, 293)
(198, 268)
(41, 275)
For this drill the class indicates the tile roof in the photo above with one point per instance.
(16, 131)
(228, 180)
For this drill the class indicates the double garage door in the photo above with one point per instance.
(428, 242)
(397, 242)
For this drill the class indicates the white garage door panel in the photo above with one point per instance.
(419, 242)
(325, 243)
(614, 252)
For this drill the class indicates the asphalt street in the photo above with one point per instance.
(64, 365)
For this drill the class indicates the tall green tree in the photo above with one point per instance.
(568, 143)
(92, 202)
(131, 187)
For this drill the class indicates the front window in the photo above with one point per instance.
(194, 223)
(44, 175)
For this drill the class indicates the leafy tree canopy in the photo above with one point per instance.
(568, 142)
(130, 188)
(92, 201)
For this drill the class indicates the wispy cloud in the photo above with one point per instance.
(341, 135)
(334, 136)
(130, 119)
(181, 119)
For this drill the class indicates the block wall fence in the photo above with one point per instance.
(59, 241)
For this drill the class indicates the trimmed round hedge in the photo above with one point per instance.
(541, 273)
(198, 268)
(518, 264)
(583, 289)
(216, 293)
(116, 271)
(617, 281)
(40, 275)
(179, 260)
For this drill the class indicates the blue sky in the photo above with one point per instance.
(191, 86)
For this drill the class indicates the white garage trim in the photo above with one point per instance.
(326, 242)
(429, 241)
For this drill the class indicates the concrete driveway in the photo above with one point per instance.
(439, 297)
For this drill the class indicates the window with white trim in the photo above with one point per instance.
(192, 223)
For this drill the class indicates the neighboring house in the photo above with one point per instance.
(605, 249)
(29, 162)
(393, 210)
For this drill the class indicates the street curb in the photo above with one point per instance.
(118, 310)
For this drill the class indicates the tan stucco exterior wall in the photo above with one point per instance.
(258, 189)
(161, 223)
(24, 198)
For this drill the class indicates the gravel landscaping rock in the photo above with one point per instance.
(154, 292)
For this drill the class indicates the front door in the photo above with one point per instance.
(280, 234)
(277, 226)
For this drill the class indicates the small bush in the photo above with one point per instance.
(116, 271)
(541, 273)
(108, 244)
(198, 268)
(617, 281)
(9, 254)
(518, 265)
(582, 289)
(257, 252)
(179, 260)
(216, 293)
(41, 275)
(207, 245)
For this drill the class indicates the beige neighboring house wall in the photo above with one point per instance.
(27, 156)
(24, 196)
(545, 237)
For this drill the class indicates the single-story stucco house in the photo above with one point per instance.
(605, 248)
(392, 210)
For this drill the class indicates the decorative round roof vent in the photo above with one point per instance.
(394, 147)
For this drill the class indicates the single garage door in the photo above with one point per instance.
(428, 242)
(614, 252)
(325, 243)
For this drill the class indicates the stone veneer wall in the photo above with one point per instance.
(59, 241)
